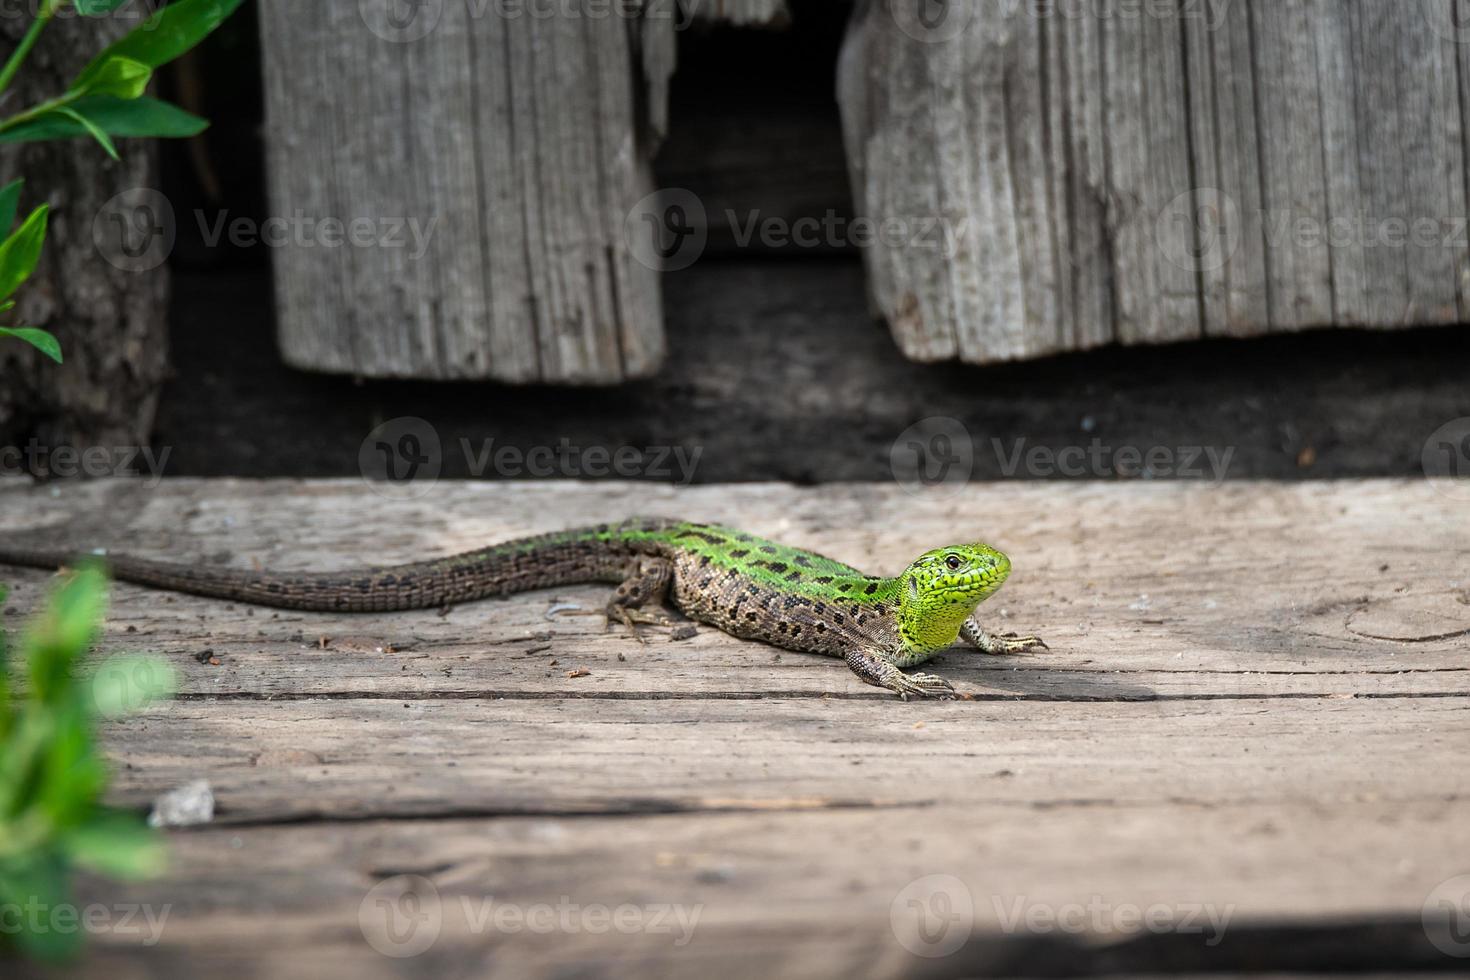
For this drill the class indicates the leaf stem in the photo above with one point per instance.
(43, 17)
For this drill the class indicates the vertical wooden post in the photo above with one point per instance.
(488, 156)
(1143, 172)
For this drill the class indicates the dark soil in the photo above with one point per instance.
(777, 372)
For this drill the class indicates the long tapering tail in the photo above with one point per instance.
(594, 554)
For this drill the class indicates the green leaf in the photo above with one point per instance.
(65, 630)
(119, 845)
(119, 76)
(9, 201)
(6, 713)
(39, 883)
(73, 774)
(20, 252)
(39, 339)
(163, 37)
(143, 116)
(92, 129)
(96, 8)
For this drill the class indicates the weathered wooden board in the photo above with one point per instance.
(483, 159)
(1147, 172)
(1257, 700)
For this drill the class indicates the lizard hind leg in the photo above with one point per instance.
(645, 586)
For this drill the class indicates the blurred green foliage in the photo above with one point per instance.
(104, 101)
(52, 775)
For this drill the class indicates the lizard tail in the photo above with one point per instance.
(584, 555)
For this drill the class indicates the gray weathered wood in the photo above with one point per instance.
(512, 143)
(1256, 697)
(1143, 173)
(107, 307)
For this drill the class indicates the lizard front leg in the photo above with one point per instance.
(986, 642)
(880, 673)
(649, 583)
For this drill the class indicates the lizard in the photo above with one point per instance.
(745, 585)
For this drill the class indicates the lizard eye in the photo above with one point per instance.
(953, 562)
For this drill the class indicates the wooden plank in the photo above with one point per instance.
(1222, 168)
(501, 151)
(351, 758)
(784, 893)
(1256, 700)
(1127, 617)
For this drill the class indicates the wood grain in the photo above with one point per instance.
(1142, 173)
(1256, 700)
(495, 153)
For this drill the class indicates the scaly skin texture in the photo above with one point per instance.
(747, 586)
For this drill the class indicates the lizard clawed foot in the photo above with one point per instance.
(923, 686)
(986, 642)
(632, 618)
(1014, 643)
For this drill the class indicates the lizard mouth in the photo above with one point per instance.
(970, 583)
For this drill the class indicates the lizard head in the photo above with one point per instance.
(940, 589)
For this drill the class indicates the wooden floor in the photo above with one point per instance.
(1250, 733)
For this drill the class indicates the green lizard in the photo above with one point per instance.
(747, 586)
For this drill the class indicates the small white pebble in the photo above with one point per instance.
(188, 806)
